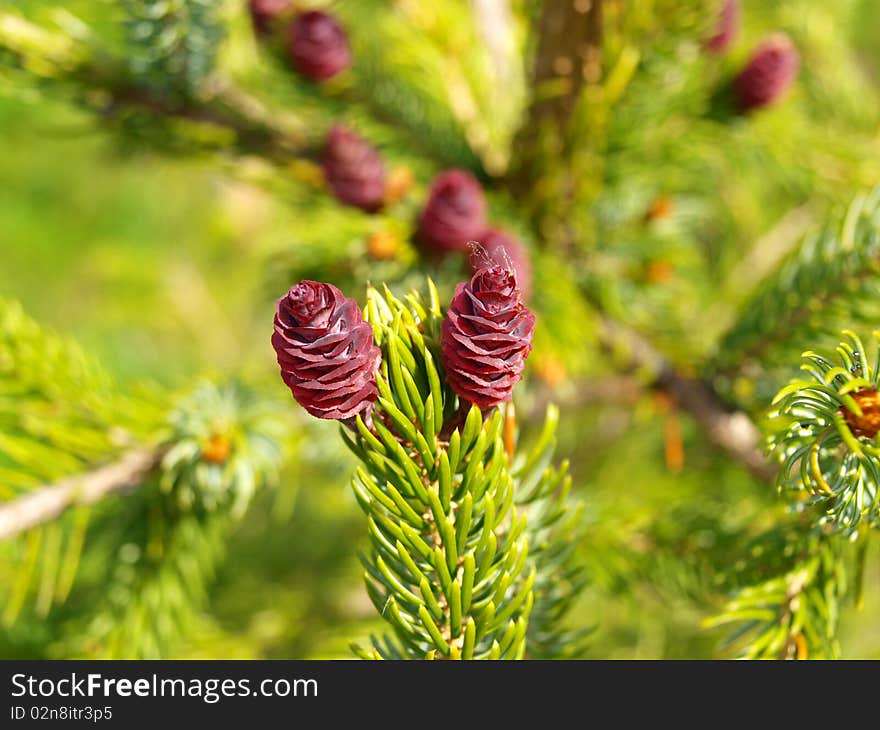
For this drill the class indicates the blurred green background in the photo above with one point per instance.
(166, 268)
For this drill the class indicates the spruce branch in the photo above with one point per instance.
(448, 564)
(174, 42)
(824, 433)
(223, 443)
(77, 65)
(554, 527)
(447, 493)
(397, 97)
(793, 614)
(828, 283)
(731, 430)
(49, 502)
(59, 417)
(823, 430)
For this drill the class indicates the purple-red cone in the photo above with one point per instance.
(265, 13)
(726, 28)
(487, 335)
(768, 74)
(506, 250)
(318, 46)
(455, 212)
(353, 169)
(326, 351)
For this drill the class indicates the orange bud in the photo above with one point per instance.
(382, 245)
(551, 371)
(657, 272)
(661, 208)
(217, 449)
(868, 424)
(398, 183)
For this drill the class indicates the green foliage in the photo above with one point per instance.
(174, 42)
(159, 548)
(58, 416)
(815, 439)
(448, 564)
(828, 283)
(675, 214)
(411, 80)
(822, 429)
(225, 443)
(160, 568)
(555, 528)
(793, 615)
(52, 396)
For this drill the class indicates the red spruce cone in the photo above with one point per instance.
(726, 28)
(326, 351)
(504, 250)
(318, 46)
(487, 335)
(455, 212)
(771, 70)
(265, 13)
(353, 169)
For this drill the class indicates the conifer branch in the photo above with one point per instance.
(49, 502)
(274, 135)
(107, 85)
(827, 283)
(733, 431)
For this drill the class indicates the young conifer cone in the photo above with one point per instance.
(487, 335)
(867, 424)
(318, 46)
(504, 249)
(266, 13)
(455, 212)
(353, 169)
(726, 28)
(771, 70)
(326, 351)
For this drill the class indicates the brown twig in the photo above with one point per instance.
(733, 431)
(49, 502)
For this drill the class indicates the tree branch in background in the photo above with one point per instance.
(45, 504)
(105, 84)
(732, 431)
(275, 135)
